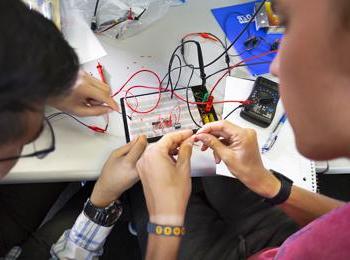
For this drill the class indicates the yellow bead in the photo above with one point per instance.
(167, 231)
(159, 230)
(177, 231)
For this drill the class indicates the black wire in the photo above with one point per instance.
(166, 75)
(96, 6)
(240, 65)
(239, 35)
(65, 114)
(179, 75)
(172, 57)
(233, 110)
(187, 101)
(227, 56)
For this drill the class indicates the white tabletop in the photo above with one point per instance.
(80, 154)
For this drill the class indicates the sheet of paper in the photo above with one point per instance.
(79, 35)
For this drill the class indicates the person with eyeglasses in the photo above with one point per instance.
(37, 69)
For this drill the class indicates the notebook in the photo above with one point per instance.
(283, 157)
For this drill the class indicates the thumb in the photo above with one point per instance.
(137, 149)
(184, 157)
(214, 143)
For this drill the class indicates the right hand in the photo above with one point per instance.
(119, 173)
(238, 149)
(166, 181)
(89, 97)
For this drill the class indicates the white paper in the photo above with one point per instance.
(79, 35)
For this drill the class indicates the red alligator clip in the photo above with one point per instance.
(97, 129)
(209, 104)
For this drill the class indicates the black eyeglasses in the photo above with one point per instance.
(40, 147)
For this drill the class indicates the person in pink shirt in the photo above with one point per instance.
(313, 65)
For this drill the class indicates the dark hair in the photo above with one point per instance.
(36, 63)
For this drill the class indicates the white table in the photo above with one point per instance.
(80, 154)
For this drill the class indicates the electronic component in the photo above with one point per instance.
(206, 111)
(177, 126)
(170, 115)
(265, 98)
(267, 19)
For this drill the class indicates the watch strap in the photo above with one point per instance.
(284, 192)
(103, 216)
(165, 230)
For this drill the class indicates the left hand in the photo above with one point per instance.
(167, 182)
(87, 98)
(119, 173)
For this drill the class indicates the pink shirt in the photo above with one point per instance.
(328, 237)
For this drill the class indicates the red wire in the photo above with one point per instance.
(133, 75)
(159, 88)
(234, 66)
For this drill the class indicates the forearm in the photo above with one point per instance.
(304, 206)
(162, 247)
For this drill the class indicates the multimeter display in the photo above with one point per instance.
(265, 97)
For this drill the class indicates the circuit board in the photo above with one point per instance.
(171, 114)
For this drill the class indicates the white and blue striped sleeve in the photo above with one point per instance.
(84, 241)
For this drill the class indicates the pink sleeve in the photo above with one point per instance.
(266, 254)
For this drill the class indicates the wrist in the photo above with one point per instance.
(269, 186)
(102, 199)
(174, 220)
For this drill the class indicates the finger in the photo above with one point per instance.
(204, 148)
(174, 152)
(100, 95)
(113, 104)
(93, 110)
(184, 157)
(214, 143)
(124, 149)
(173, 140)
(137, 149)
(220, 128)
(217, 157)
(94, 82)
(94, 102)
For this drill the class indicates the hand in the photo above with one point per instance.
(167, 182)
(238, 149)
(119, 173)
(87, 98)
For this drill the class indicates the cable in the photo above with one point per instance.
(239, 35)
(233, 110)
(234, 66)
(187, 100)
(93, 24)
(241, 65)
(205, 35)
(91, 127)
(200, 63)
(179, 75)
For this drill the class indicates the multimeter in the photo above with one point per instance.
(265, 97)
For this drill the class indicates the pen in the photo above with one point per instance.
(100, 72)
(274, 135)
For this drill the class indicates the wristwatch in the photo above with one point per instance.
(284, 192)
(103, 216)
